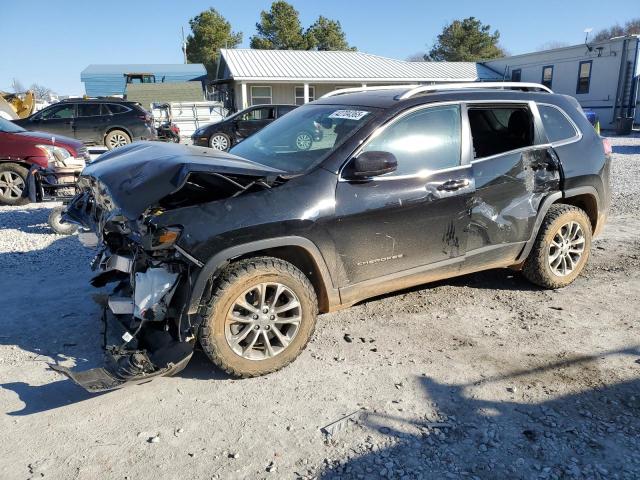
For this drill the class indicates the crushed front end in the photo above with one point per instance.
(148, 331)
(146, 328)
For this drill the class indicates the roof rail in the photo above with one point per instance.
(461, 86)
(342, 91)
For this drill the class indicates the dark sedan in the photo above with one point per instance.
(232, 130)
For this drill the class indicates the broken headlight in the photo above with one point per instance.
(165, 237)
(56, 155)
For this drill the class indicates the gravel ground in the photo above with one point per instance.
(479, 377)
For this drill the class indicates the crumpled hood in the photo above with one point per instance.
(137, 176)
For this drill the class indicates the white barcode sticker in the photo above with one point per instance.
(348, 114)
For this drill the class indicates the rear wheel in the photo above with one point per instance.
(561, 249)
(260, 317)
(13, 182)
(304, 140)
(116, 138)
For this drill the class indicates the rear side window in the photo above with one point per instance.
(556, 125)
(88, 109)
(284, 110)
(115, 108)
(426, 140)
(499, 129)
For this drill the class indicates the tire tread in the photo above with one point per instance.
(226, 280)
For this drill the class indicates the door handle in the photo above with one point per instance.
(453, 185)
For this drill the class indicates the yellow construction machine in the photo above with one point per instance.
(17, 105)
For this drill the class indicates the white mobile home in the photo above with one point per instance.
(249, 77)
(602, 76)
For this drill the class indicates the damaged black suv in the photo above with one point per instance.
(239, 252)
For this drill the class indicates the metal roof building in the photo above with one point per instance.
(298, 76)
(105, 80)
(603, 76)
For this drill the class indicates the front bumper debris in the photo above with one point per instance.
(144, 333)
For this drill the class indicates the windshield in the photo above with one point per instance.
(9, 127)
(301, 139)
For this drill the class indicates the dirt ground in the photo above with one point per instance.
(479, 377)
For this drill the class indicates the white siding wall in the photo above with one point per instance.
(284, 93)
(604, 73)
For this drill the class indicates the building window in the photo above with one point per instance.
(584, 77)
(547, 76)
(260, 95)
(516, 75)
(300, 94)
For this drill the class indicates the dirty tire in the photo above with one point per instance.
(238, 278)
(57, 225)
(537, 268)
(116, 138)
(13, 181)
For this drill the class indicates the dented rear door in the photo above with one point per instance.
(509, 190)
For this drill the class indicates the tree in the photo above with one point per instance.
(40, 91)
(16, 86)
(632, 27)
(466, 40)
(210, 32)
(279, 29)
(551, 45)
(327, 34)
(418, 57)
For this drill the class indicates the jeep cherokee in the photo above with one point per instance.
(240, 251)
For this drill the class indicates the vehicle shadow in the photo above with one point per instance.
(589, 434)
(28, 220)
(48, 316)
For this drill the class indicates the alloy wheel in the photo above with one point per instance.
(11, 185)
(303, 141)
(118, 140)
(219, 142)
(566, 249)
(263, 321)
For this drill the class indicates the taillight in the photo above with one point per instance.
(147, 118)
(607, 146)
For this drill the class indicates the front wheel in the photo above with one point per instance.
(561, 249)
(13, 181)
(304, 140)
(219, 141)
(261, 316)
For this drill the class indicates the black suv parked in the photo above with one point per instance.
(235, 128)
(109, 122)
(240, 251)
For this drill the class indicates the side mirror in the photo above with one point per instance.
(371, 164)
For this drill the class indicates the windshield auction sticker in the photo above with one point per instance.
(348, 114)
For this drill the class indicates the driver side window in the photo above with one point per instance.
(62, 112)
(426, 140)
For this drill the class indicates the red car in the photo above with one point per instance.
(58, 160)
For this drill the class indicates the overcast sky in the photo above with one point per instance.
(51, 41)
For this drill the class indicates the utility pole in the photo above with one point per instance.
(184, 47)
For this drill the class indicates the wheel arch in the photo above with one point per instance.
(117, 127)
(299, 251)
(585, 198)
